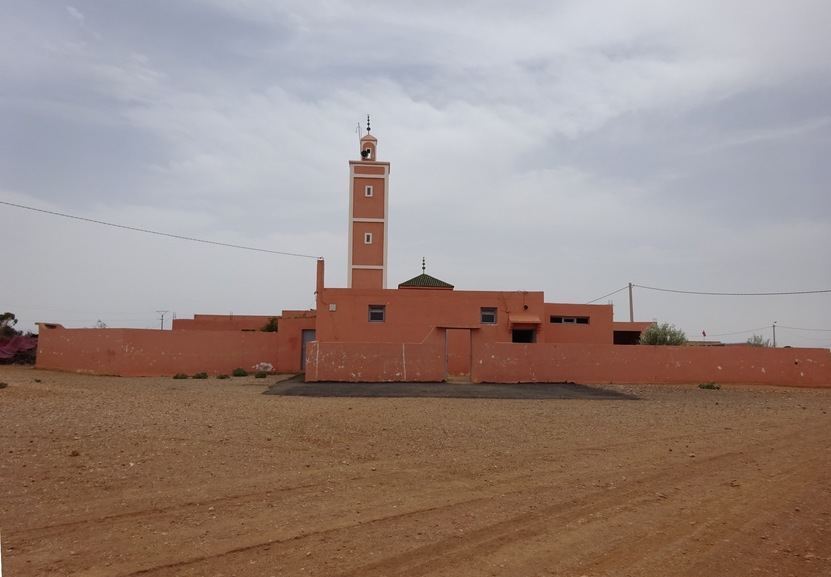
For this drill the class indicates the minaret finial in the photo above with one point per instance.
(367, 124)
(423, 265)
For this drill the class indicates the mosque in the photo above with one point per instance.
(421, 330)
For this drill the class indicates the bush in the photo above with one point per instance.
(200, 376)
(240, 372)
(7, 322)
(223, 377)
(271, 326)
(261, 375)
(180, 376)
(711, 386)
(665, 334)
(758, 341)
(3, 385)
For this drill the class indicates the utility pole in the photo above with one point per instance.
(162, 313)
(774, 333)
(631, 306)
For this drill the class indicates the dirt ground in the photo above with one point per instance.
(105, 476)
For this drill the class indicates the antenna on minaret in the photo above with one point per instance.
(367, 124)
(423, 266)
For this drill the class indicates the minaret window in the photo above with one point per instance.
(368, 191)
(367, 238)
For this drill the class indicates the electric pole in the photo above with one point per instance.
(162, 313)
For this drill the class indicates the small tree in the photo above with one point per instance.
(271, 325)
(758, 341)
(7, 322)
(665, 334)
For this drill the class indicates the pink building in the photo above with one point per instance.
(423, 330)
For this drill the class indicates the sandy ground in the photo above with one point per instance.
(158, 477)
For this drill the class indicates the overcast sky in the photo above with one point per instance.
(570, 147)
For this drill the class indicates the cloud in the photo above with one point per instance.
(76, 14)
(570, 147)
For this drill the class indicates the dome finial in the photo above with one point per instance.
(367, 124)
(423, 265)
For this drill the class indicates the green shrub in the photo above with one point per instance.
(758, 341)
(200, 376)
(180, 376)
(3, 385)
(665, 334)
(223, 377)
(240, 372)
(261, 375)
(271, 326)
(711, 386)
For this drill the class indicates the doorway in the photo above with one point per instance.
(307, 336)
(457, 355)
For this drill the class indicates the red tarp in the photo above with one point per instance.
(10, 347)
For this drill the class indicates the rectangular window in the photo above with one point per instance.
(377, 313)
(569, 320)
(526, 336)
(488, 316)
(367, 238)
(368, 191)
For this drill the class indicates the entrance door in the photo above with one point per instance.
(308, 335)
(457, 355)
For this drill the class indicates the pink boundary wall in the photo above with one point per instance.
(507, 362)
(580, 363)
(142, 352)
(375, 362)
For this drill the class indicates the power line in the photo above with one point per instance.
(822, 340)
(608, 295)
(803, 329)
(73, 312)
(732, 294)
(710, 293)
(167, 234)
(738, 332)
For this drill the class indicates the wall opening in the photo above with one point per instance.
(523, 335)
(307, 336)
(568, 320)
(377, 313)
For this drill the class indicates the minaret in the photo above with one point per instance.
(368, 204)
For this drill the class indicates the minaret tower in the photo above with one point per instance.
(368, 204)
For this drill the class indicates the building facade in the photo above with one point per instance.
(423, 330)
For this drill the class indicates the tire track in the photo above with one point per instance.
(500, 535)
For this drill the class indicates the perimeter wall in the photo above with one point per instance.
(375, 362)
(493, 362)
(507, 362)
(142, 352)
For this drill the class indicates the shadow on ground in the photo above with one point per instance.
(298, 388)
